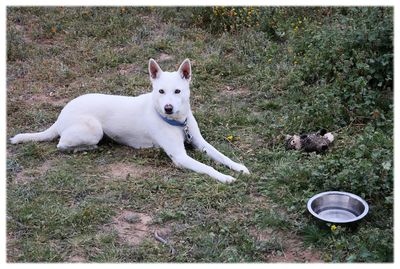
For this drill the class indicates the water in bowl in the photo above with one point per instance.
(337, 215)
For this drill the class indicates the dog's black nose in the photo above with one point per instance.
(168, 109)
(324, 147)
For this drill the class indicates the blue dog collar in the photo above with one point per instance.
(188, 136)
(173, 122)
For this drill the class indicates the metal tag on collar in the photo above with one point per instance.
(188, 137)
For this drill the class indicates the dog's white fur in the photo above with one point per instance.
(134, 121)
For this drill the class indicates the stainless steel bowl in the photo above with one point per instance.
(337, 207)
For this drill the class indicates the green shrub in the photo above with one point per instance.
(351, 49)
(355, 54)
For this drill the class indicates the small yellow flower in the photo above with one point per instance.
(229, 138)
(333, 227)
(270, 60)
(53, 29)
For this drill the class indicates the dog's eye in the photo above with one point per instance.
(292, 142)
(177, 91)
(161, 91)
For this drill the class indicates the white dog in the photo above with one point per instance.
(162, 118)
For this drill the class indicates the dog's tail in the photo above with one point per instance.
(46, 135)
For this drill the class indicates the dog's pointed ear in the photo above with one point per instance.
(185, 70)
(154, 69)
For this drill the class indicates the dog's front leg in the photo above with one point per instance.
(200, 143)
(185, 161)
(213, 153)
(172, 144)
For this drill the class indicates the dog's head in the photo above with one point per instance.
(171, 90)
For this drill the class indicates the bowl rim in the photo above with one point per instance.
(358, 198)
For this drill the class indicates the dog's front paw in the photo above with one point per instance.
(240, 168)
(226, 179)
(15, 139)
